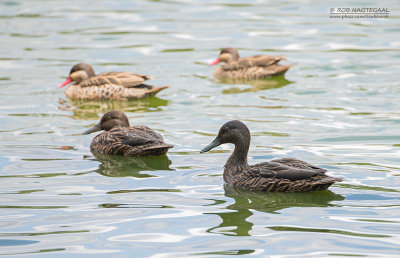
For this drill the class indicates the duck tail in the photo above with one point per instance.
(286, 67)
(159, 149)
(336, 179)
(282, 69)
(153, 91)
(325, 183)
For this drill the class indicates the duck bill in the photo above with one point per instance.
(67, 81)
(93, 129)
(215, 62)
(212, 145)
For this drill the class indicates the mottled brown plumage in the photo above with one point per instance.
(279, 175)
(107, 85)
(248, 68)
(121, 139)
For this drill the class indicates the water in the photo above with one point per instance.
(337, 108)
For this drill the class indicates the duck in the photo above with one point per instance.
(247, 68)
(119, 138)
(278, 175)
(107, 85)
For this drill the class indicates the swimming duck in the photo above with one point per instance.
(279, 175)
(107, 85)
(247, 68)
(121, 139)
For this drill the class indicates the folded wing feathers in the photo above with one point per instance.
(125, 79)
(291, 169)
(254, 61)
(264, 60)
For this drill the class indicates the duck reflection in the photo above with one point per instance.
(89, 109)
(257, 85)
(122, 166)
(236, 223)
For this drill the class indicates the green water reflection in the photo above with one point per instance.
(236, 223)
(229, 252)
(323, 230)
(256, 85)
(88, 110)
(121, 166)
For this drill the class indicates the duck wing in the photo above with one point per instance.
(299, 164)
(291, 169)
(148, 142)
(132, 141)
(253, 61)
(261, 60)
(125, 79)
(132, 136)
(146, 132)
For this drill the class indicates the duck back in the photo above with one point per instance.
(280, 175)
(112, 92)
(130, 141)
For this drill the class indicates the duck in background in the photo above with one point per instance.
(107, 85)
(247, 68)
(121, 139)
(279, 175)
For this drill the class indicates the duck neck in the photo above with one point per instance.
(239, 156)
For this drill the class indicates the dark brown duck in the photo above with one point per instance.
(279, 175)
(247, 68)
(121, 139)
(107, 85)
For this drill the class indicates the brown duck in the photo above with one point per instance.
(121, 139)
(247, 68)
(107, 85)
(279, 175)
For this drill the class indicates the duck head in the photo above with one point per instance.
(78, 73)
(108, 121)
(234, 132)
(227, 55)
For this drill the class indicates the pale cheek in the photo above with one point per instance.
(78, 76)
